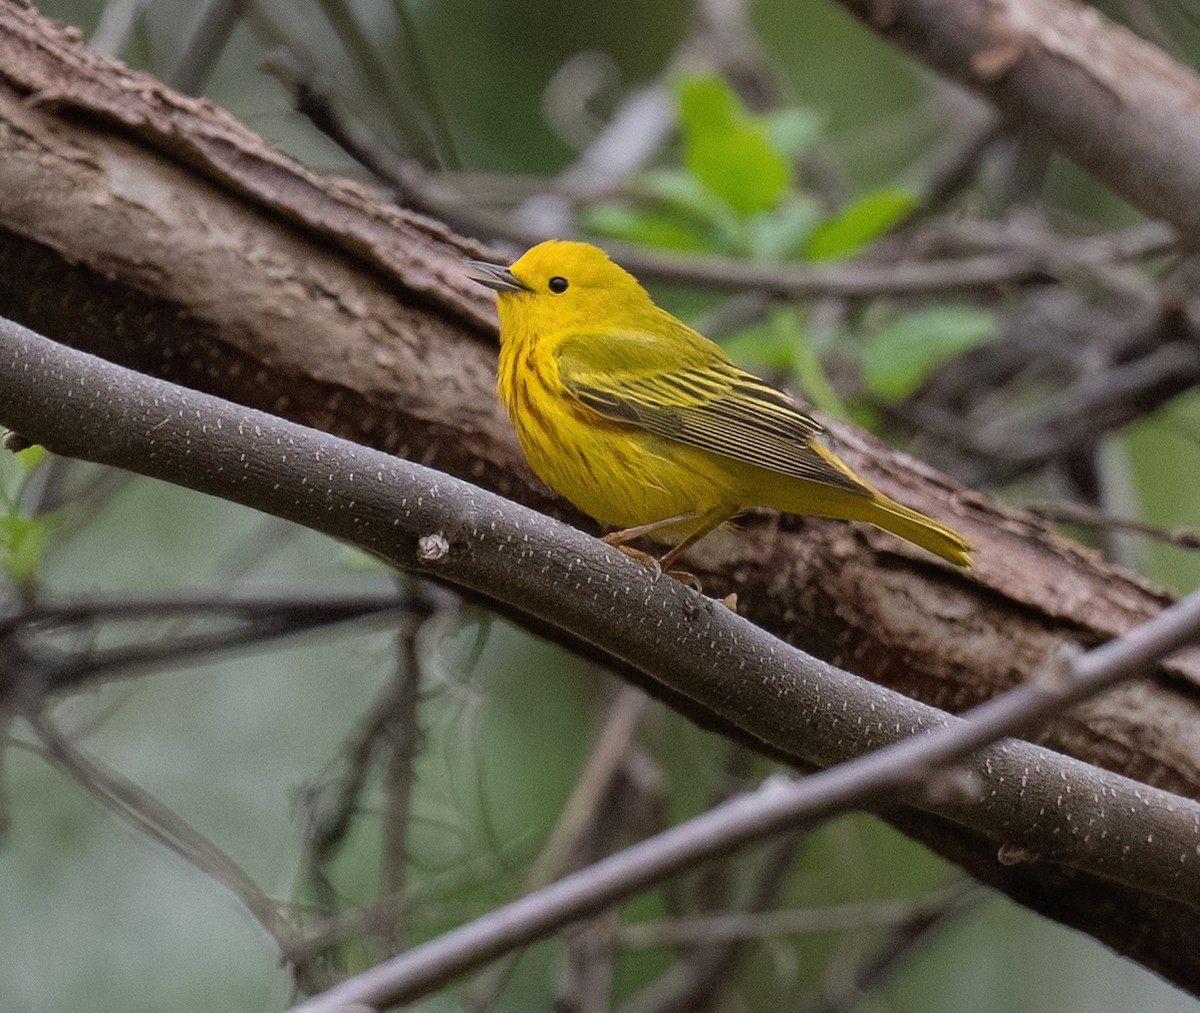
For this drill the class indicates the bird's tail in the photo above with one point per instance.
(866, 503)
(915, 527)
(863, 502)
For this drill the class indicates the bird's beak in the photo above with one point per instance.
(495, 276)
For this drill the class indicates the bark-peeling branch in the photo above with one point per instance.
(1058, 69)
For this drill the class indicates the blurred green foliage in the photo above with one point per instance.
(897, 359)
(23, 536)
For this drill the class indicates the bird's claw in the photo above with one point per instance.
(688, 578)
(652, 564)
(638, 556)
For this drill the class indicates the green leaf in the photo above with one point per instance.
(793, 130)
(763, 347)
(685, 195)
(707, 105)
(861, 221)
(22, 540)
(15, 470)
(810, 371)
(776, 235)
(897, 360)
(643, 227)
(727, 149)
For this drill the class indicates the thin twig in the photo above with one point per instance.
(382, 89)
(328, 808)
(116, 26)
(696, 983)
(136, 807)
(1078, 513)
(206, 45)
(692, 930)
(595, 782)
(419, 83)
(903, 937)
(249, 620)
(402, 740)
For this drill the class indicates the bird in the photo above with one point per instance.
(649, 427)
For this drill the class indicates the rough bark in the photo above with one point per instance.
(1060, 71)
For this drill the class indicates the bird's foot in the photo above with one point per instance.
(688, 578)
(654, 565)
(638, 556)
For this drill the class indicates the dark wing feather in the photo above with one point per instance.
(711, 405)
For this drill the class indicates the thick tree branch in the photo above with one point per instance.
(550, 575)
(1058, 69)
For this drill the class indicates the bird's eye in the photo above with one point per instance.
(558, 284)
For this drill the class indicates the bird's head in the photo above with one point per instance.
(564, 287)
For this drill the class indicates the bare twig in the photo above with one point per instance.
(116, 25)
(562, 851)
(692, 930)
(402, 741)
(903, 937)
(328, 808)
(587, 977)
(134, 806)
(1078, 513)
(207, 43)
(596, 780)
(245, 619)
(418, 89)
(696, 983)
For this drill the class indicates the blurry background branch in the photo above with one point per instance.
(1058, 71)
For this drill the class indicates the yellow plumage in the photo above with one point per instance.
(646, 425)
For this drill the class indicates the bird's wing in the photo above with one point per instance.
(693, 394)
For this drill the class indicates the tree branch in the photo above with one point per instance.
(1059, 70)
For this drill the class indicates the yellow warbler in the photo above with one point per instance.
(647, 426)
